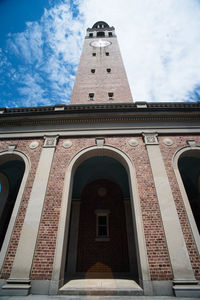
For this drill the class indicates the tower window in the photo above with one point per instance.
(92, 70)
(94, 54)
(111, 96)
(100, 33)
(91, 96)
(90, 34)
(109, 33)
(108, 70)
(107, 53)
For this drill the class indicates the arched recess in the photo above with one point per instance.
(183, 160)
(63, 230)
(14, 169)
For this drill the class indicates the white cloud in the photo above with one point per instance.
(159, 41)
(51, 50)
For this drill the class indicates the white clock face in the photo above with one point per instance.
(100, 43)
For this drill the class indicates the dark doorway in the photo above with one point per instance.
(101, 236)
(102, 243)
(11, 174)
(189, 167)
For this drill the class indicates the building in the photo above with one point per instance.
(104, 189)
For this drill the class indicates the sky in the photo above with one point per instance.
(41, 42)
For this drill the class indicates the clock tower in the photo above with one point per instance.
(101, 76)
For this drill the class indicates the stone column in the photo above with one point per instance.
(19, 281)
(73, 240)
(130, 239)
(181, 266)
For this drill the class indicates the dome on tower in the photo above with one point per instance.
(100, 25)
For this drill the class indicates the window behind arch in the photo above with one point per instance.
(11, 174)
(189, 168)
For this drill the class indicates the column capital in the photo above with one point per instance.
(50, 141)
(150, 138)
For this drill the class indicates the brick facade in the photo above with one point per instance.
(155, 238)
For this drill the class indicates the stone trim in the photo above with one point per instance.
(150, 138)
(117, 130)
(50, 141)
(180, 261)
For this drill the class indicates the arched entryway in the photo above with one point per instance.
(101, 242)
(132, 208)
(14, 169)
(189, 168)
(186, 167)
(11, 174)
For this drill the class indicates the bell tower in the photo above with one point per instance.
(101, 76)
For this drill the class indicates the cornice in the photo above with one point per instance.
(101, 113)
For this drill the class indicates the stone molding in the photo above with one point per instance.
(150, 138)
(50, 141)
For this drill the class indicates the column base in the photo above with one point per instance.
(186, 289)
(17, 287)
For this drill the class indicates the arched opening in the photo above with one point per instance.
(65, 246)
(12, 169)
(189, 168)
(101, 237)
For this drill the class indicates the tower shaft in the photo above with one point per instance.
(101, 76)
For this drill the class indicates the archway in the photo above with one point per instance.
(135, 210)
(14, 169)
(101, 242)
(189, 168)
(11, 174)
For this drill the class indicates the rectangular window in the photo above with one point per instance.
(91, 96)
(90, 34)
(108, 70)
(93, 54)
(92, 70)
(102, 225)
(110, 96)
(107, 53)
(109, 33)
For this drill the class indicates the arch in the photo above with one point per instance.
(183, 152)
(5, 158)
(62, 237)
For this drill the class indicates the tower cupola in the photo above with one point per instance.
(100, 29)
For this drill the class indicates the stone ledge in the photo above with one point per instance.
(187, 290)
(17, 287)
(104, 287)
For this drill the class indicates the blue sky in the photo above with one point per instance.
(41, 41)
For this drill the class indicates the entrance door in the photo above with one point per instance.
(102, 238)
